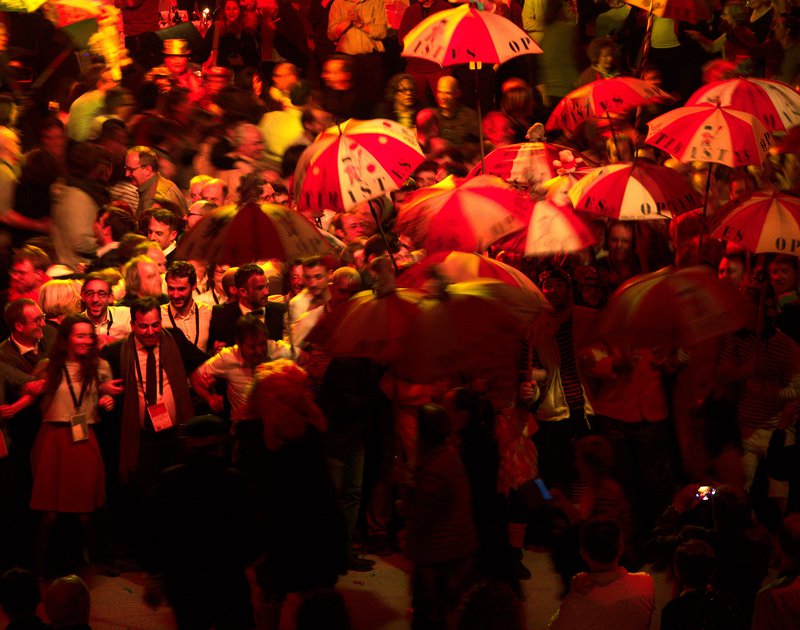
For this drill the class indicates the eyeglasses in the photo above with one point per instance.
(406, 90)
(133, 169)
(36, 320)
(91, 294)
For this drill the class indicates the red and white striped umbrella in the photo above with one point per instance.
(764, 222)
(601, 98)
(527, 163)
(354, 162)
(630, 192)
(711, 133)
(466, 34)
(555, 230)
(775, 104)
(469, 217)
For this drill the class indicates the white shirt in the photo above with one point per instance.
(162, 395)
(188, 324)
(117, 323)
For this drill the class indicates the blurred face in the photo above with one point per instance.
(81, 340)
(557, 292)
(341, 290)
(255, 293)
(214, 84)
(406, 94)
(146, 328)
(605, 60)
(232, 11)
(258, 84)
(316, 280)
(54, 140)
(176, 64)
(219, 271)
(447, 94)
(254, 350)
(31, 328)
(296, 279)
(620, 243)
(783, 277)
(353, 228)
(335, 76)
(283, 77)
(179, 292)
(24, 277)
(425, 178)
(102, 234)
(96, 296)
(161, 233)
(252, 144)
(214, 193)
(159, 259)
(731, 271)
(196, 212)
(149, 279)
(134, 170)
(196, 191)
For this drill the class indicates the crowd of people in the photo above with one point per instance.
(145, 394)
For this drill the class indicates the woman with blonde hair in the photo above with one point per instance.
(59, 298)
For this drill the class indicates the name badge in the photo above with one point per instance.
(159, 417)
(80, 427)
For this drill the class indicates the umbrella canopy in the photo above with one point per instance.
(20, 6)
(526, 163)
(763, 222)
(711, 133)
(638, 191)
(465, 34)
(469, 327)
(774, 103)
(601, 98)
(354, 162)
(469, 217)
(672, 308)
(464, 267)
(250, 233)
(370, 326)
(554, 229)
(692, 11)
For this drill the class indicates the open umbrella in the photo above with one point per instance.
(638, 191)
(253, 232)
(371, 326)
(555, 229)
(468, 34)
(354, 162)
(469, 328)
(601, 98)
(526, 163)
(469, 217)
(458, 266)
(20, 6)
(711, 133)
(763, 222)
(672, 308)
(775, 104)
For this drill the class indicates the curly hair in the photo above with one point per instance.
(282, 398)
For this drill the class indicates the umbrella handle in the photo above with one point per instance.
(476, 66)
(705, 209)
(383, 235)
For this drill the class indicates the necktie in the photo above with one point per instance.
(150, 385)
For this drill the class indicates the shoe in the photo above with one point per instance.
(359, 564)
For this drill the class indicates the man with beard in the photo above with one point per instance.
(182, 312)
(110, 322)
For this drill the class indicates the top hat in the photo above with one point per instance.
(176, 48)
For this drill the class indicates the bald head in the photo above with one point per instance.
(448, 93)
(67, 602)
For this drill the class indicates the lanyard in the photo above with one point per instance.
(160, 374)
(214, 295)
(109, 322)
(77, 401)
(196, 322)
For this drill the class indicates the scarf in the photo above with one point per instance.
(172, 364)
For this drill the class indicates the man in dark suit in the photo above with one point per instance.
(251, 284)
(29, 342)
